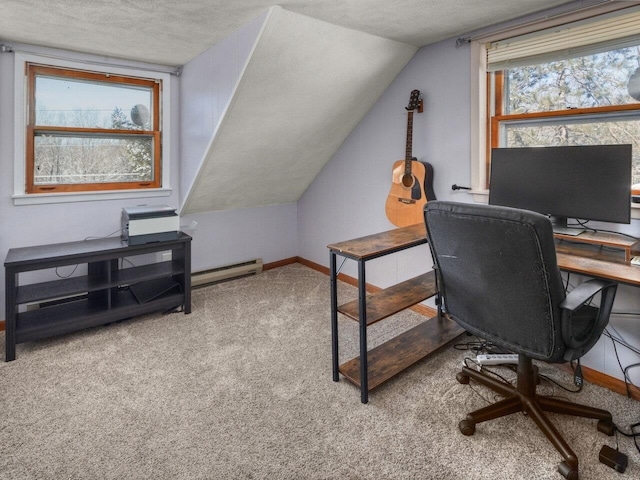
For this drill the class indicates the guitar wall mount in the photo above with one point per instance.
(458, 187)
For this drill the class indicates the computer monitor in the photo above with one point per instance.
(580, 182)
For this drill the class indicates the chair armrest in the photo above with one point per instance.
(577, 346)
(582, 293)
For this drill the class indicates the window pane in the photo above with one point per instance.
(67, 102)
(596, 80)
(81, 159)
(578, 132)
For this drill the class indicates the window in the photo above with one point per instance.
(91, 131)
(574, 85)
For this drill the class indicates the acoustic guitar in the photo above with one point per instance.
(411, 182)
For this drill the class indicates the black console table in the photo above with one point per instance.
(107, 293)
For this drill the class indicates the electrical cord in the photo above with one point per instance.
(76, 267)
(632, 434)
(479, 347)
(619, 339)
(627, 380)
(59, 275)
(583, 224)
(106, 236)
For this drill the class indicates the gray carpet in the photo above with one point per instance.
(242, 389)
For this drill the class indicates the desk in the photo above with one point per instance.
(372, 368)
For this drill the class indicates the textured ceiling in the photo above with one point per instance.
(173, 32)
(305, 87)
(333, 58)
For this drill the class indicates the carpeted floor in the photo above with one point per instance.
(242, 389)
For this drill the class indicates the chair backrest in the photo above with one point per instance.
(498, 276)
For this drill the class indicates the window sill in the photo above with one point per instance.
(48, 198)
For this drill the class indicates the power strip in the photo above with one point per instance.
(497, 359)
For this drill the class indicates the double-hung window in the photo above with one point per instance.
(86, 129)
(577, 84)
(90, 131)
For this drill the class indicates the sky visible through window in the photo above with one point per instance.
(79, 103)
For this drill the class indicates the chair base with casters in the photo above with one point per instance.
(523, 398)
(498, 277)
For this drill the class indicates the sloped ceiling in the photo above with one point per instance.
(306, 85)
(173, 32)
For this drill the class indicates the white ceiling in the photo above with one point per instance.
(346, 52)
(306, 85)
(172, 32)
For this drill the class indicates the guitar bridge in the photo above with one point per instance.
(408, 201)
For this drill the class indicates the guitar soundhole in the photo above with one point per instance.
(407, 180)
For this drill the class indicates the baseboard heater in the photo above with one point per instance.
(227, 272)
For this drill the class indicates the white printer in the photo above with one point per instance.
(149, 223)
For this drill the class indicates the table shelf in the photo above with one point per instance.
(372, 368)
(103, 295)
(392, 300)
(387, 360)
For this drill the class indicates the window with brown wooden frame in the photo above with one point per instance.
(585, 95)
(91, 131)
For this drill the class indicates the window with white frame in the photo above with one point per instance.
(89, 130)
(577, 84)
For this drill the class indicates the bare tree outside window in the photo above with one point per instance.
(577, 101)
(91, 131)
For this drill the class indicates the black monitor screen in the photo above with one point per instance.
(582, 182)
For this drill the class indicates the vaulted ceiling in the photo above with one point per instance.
(306, 85)
(173, 32)
(331, 60)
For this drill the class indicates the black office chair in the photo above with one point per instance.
(497, 277)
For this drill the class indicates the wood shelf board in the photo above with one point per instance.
(601, 238)
(387, 360)
(598, 267)
(392, 300)
(382, 243)
(626, 245)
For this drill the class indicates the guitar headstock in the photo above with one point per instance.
(414, 101)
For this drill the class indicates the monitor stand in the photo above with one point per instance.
(574, 232)
(559, 225)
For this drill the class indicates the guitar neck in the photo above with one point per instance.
(408, 151)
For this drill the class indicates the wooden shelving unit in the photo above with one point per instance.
(374, 367)
(101, 296)
(628, 246)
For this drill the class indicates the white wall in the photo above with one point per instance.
(221, 238)
(206, 85)
(226, 237)
(347, 199)
(27, 225)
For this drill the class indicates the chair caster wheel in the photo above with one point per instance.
(462, 378)
(568, 472)
(606, 427)
(466, 427)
